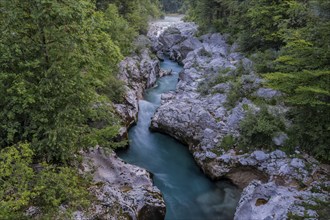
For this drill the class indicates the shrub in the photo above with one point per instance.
(212, 80)
(15, 176)
(310, 131)
(258, 129)
(263, 61)
(227, 142)
(48, 187)
(235, 94)
(56, 186)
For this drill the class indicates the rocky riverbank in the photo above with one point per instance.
(138, 72)
(274, 184)
(125, 191)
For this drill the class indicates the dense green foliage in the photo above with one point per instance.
(47, 187)
(258, 129)
(57, 59)
(136, 12)
(58, 83)
(258, 24)
(171, 6)
(290, 41)
(308, 93)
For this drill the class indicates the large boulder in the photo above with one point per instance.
(176, 40)
(170, 37)
(267, 93)
(215, 44)
(123, 191)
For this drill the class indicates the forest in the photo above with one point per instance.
(58, 75)
(58, 79)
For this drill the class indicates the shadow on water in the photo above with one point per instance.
(188, 193)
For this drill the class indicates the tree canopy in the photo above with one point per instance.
(55, 56)
(171, 6)
(136, 12)
(58, 83)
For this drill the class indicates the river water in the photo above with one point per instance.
(188, 193)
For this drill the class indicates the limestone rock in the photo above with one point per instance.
(267, 93)
(297, 163)
(270, 201)
(32, 212)
(271, 180)
(188, 45)
(123, 191)
(138, 72)
(260, 155)
(170, 37)
(176, 40)
(280, 139)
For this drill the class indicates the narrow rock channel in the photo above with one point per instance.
(188, 193)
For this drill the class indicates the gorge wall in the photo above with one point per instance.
(274, 184)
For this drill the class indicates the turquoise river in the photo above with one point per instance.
(188, 193)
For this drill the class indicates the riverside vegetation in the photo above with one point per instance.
(58, 81)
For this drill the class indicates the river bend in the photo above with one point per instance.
(188, 193)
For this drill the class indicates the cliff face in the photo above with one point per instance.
(138, 72)
(272, 181)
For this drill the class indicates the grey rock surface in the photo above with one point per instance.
(279, 139)
(267, 93)
(200, 121)
(270, 201)
(123, 191)
(138, 72)
(173, 37)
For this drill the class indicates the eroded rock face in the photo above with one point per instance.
(274, 166)
(138, 72)
(123, 191)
